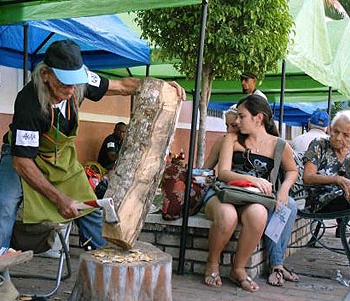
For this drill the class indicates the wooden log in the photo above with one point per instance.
(116, 274)
(142, 159)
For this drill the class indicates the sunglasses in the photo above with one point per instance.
(248, 165)
(57, 81)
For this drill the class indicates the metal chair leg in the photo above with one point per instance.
(345, 243)
(312, 242)
(64, 256)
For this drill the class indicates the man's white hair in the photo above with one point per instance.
(322, 128)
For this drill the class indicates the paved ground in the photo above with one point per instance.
(317, 268)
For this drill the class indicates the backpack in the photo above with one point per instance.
(94, 172)
(93, 177)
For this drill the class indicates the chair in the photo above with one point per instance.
(41, 239)
(317, 228)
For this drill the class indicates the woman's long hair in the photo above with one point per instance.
(44, 96)
(256, 104)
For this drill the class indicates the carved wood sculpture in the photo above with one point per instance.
(142, 159)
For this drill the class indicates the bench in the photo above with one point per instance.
(166, 235)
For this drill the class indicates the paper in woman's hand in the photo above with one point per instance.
(277, 223)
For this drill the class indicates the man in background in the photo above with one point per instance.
(248, 82)
(317, 127)
(111, 146)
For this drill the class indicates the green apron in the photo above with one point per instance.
(57, 159)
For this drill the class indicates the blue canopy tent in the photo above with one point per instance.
(106, 42)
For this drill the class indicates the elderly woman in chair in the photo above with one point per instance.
(327, 168)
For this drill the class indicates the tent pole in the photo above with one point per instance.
(283, 85)
(129, 72)
(25, 50)
(36, 51)
(195, 107)
(329, 107)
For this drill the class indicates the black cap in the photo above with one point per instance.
(247, 75)
(64, 57)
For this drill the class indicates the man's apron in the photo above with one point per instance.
(57, 159)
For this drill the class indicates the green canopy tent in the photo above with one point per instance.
(16, 11)
(300, 87)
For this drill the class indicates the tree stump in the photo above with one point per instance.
(142, 159)
(116, 274)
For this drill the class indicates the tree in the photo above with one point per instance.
(241, 35)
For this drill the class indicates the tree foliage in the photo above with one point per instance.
(241, 35)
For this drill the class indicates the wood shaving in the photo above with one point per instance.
(110, 255)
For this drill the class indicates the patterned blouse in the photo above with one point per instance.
(252, 164)
(323, 156)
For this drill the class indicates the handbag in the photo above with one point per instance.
(174, 185)
(242, 196)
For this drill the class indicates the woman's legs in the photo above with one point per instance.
(276, 251)
(224, 222)
(253, 220)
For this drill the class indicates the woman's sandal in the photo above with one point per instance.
(211, 278)
(246, 284)
(289, 275)
(276, 277)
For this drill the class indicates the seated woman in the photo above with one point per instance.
(248, 156)
(231, 127)
(327, 168)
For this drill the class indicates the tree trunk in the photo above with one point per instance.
(114, 274)
(207, 80)
(142, 159)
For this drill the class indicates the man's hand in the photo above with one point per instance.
(128, 86)
(67, 208)
(180, 91)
